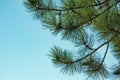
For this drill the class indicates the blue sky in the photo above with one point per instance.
(24, 45)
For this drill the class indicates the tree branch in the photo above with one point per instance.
(90, 19)
(94, 50)
(68, 9)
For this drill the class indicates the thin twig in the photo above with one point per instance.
(104, 55)
(84, 41)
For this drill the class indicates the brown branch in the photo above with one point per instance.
(88, 46)
(94, 50)
(68, 9)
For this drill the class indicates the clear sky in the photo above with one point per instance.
(24, 45)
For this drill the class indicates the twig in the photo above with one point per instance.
(104, 56)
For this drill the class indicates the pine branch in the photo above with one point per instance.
(71, 25)
(73, 8)
(94, 50)
(90, 19)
